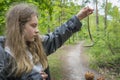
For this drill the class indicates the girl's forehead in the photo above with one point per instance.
(34, 19)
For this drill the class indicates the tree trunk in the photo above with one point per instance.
(97, 20)
(105, 24)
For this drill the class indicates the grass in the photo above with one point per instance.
(55, 65)
(102, 60)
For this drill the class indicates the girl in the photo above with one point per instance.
(25, 52)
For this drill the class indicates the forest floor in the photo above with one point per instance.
(75, 63)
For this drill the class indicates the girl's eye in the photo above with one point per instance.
(33, 25)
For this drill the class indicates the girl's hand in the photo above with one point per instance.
(84, 12)
(44, 75)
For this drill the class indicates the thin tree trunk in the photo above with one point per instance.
(97, 20)
(105, 16)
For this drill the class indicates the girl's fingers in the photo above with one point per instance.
(44, 75)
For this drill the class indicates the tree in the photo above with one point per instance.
(97, 20)
(105, 23)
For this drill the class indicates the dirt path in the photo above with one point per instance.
(75, 62)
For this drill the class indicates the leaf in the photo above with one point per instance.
(1, 1)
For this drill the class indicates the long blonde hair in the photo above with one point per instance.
(16, 18)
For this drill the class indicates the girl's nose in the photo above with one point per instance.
(37, 30)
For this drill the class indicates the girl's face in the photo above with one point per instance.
(31, 29)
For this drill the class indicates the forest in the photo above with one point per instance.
(100, 31)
